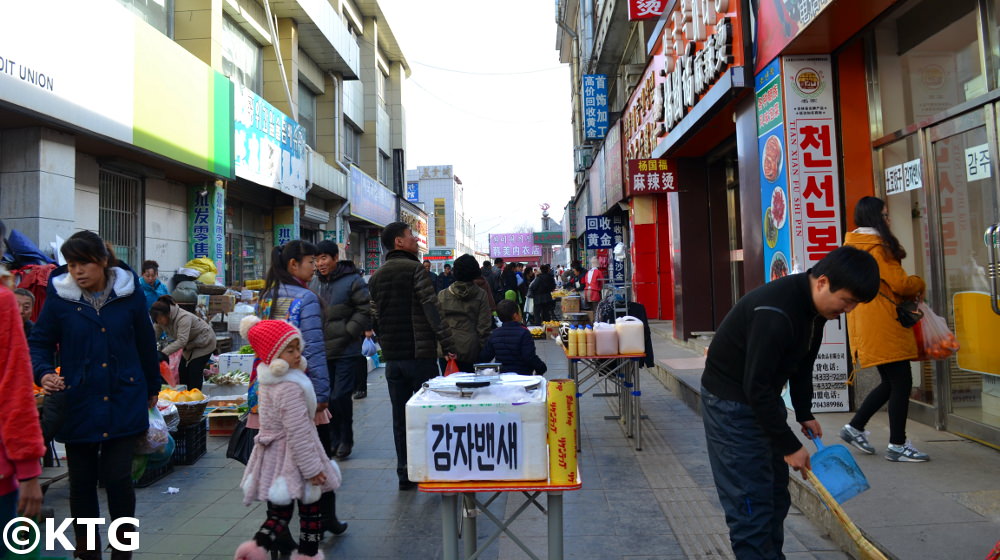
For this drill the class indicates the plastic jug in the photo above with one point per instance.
(631, 335)
(606, 339)
(571, 350)
(591, 341)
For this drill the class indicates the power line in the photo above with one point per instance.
(537, 71)
(482, 117)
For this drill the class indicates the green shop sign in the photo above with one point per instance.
(547, 237)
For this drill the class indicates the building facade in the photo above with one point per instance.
(232, 127)
(758, 162)
(450, 233)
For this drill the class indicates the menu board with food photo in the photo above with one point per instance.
(773, 173)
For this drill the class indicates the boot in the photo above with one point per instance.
(82, 551)
(122, 554)
(328, 505)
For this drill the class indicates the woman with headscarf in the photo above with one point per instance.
(465, 309)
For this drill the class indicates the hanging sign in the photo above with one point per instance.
(600, 233)
(645, 9)
(649, 176)
(595, 106)
(469, 446)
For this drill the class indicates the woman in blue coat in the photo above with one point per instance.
(95, 323)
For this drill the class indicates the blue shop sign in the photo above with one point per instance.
(269, 147)
(370, 200)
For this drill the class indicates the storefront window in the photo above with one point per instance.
(352, 143)
(241, 56)
(245, 237)
(307, 113)
(929, 60)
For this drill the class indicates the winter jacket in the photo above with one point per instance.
(487, 275)
(875, 334)
(769, 338)
(191, 334)
(21, 445)
(108, 357)
(287, 451)
(153, 292)
(593, 283)
(513, 347)
(405, 310)
(466, 311)
(508, 279)
(541, 289)
(485, 286)
(444, 280)
(346, 309)
(300, 307)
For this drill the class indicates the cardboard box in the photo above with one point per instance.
(571, 304)
(222, 423)
(438, 445)
(232, 361)
(220, 304)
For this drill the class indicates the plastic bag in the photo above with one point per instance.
(935, 341)
(452, 367)
(369, 348)
(170, 414)
(156, 436)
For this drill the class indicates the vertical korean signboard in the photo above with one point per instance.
(595, 106)
(814, 211)
(207, 226)
(773, 173)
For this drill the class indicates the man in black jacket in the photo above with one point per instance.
(770, 337)
(408, 321)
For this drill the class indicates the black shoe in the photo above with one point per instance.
(407, 484)
(334, 526)
(358, 395)
(343, 451)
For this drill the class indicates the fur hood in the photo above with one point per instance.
(67, 288)
(267, 376)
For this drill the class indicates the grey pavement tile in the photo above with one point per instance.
(187, 545)
(216, 526)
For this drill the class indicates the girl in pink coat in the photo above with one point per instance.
(288, 463)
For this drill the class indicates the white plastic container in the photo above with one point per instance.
(631, 337)
(606, 339)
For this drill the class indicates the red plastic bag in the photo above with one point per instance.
(170, 376)
(452, 367)
(935, 341)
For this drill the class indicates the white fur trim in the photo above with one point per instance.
(311, 493)
(336, 469)
(247, 484)
(67, 288)
(867, 231)
(279, 492)
(267, 377)
(278, 367)
(246, 323)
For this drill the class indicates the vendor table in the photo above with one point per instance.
(621, 371)
(450, 492)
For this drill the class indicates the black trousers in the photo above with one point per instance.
(895, 390)
(361, 375)
(404, 378)
(343, 374)
(192, 373)
(110, 462)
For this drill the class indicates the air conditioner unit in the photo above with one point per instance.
(583, 156)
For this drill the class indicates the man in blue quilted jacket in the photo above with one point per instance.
(511, 344)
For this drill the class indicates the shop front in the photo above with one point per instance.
(919, 100)
(372, 207)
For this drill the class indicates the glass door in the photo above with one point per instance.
(964, 192)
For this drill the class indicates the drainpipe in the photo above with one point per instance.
(338, 125)
(273, 27)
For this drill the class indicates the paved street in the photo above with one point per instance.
(658, 503)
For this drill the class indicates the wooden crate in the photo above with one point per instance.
(222, 423)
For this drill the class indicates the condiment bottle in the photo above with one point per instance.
(572, 348)
(591, 341)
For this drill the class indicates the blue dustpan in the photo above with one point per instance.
(836, 468)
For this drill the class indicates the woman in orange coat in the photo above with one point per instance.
(878, 339)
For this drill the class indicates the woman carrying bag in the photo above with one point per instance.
(190, 334)
(877, 337)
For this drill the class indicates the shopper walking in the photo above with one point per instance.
(288, 464)
(878, 339)
(407, 317)
(286, 297)
(189, 333)
(466, 310)
(95, 317)
(346, 322)
(152, 287)
(771, 337)
(540, 291)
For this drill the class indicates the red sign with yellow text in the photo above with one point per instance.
(650, 176)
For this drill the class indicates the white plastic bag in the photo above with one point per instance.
(156, 436)
(369, 348)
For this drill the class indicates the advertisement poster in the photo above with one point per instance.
(814, 187)
(207, 226)
(773, 173)
(269, 146)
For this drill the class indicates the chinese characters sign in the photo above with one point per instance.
(547, 237)
(413, 191)
(370, 200)
(207, 226)
(513, 246)
(645, 9)
(648, 176)
(600, 233)
(269, 145)
(417, 223)
(595, 106)
(617, 272)
(470, 446)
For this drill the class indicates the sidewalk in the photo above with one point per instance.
(946, 508)
(654, 504)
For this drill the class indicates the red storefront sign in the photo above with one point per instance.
(650, 176)
(645, 9)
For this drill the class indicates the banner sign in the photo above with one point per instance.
(269, 145)
(413, 191)
(207, 226)
(370, 200)
(547, 237)
(645, 9)
(600, 233)
(777, 243)
(507, 245)
(617, 273)
(650, 176)
(814, 209)
(475, 446)
(569, 221)
(595, 106)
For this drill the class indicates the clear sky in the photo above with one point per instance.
(488, 95)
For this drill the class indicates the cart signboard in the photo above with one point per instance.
(475, 446)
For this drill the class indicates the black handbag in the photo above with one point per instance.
(53, 414)
(907, 312)
(241, 442)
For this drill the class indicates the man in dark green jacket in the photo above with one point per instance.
(407, 318)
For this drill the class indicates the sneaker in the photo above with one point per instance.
(905, 454)
(857, 438)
